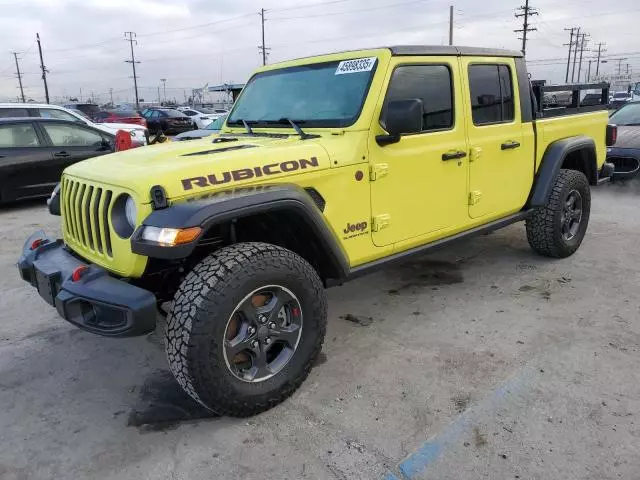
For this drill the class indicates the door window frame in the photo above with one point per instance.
(513, 92)
(41, 140)
(451, 88)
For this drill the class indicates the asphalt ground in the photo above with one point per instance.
(480, 361)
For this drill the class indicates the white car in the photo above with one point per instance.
(139, 134)
(200, 119)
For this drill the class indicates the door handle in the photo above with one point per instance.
(61, 154)
(453, 155)
(509, 145)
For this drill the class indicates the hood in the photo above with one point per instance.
(628, 137)
(200, 166)
(195, 134)
(114, 127)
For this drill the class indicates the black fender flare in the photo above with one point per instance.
(222, 206)
(552, 162)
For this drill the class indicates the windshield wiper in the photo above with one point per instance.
(247, 127)
(294, 125)
(245, 123)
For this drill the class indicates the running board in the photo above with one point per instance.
(429, 247)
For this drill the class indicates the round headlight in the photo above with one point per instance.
(123, 215)
(131, 212)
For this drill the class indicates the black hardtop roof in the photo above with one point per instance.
(407, 50)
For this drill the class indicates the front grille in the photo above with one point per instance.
(85, 210)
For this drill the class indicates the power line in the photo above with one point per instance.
(43, 68)
(15, 56)
(133, 62)
(348, 12)
(527, 11)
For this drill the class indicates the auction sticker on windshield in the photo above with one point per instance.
(356, 65)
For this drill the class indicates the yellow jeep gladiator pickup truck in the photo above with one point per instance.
(327, 168)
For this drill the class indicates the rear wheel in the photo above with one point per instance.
(245, 328)
(558, 228)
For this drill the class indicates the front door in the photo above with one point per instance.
(501, 156)
(70, 143)
(419, 184)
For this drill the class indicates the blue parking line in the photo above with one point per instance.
(418, 461)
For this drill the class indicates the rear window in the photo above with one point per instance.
(13, 112)
(124, 113)
(172, 113)
(620, 95)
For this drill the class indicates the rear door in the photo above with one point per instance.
(23, 162)
(501, 155)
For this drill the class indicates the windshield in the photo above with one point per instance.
(217, 123)
(329, 94)
(627, 115)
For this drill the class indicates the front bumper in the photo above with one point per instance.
(96, 302)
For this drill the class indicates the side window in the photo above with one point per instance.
(13, 112)
(63, 135)
(18, 135)
(430, 83)
(491, 94)
(58, 114)
(155, 114)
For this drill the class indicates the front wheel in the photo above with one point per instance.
(245, 328)
(557, 229)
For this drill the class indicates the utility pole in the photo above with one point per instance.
(111, 96)
(575, 56)
(527, 11)
(15, 55)
(164, 88)
(619, 60)
(571, 31)
(159, 98)
(589, 71)
(451, 25)
(581, 51)
(627, 69)
(263, 48)
(130, 37)
(44, 70)
(600, 51)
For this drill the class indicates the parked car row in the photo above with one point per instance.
(38, 141)
(34, 151)
(139, 134)
(625, 152)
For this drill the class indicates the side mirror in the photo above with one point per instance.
(401, 117)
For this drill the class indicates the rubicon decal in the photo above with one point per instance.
(355, 230)
(248, 173)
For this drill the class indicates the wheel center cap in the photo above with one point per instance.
(263, 332)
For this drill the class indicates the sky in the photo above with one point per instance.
(194, 42)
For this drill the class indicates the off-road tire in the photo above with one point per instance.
(544, 226)
(202, 307)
